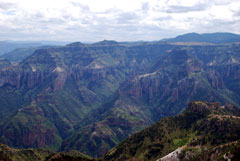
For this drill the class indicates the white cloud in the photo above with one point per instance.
(94, 20)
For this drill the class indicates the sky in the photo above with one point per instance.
(120, 20)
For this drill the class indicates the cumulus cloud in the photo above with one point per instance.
(5, 6)
(125, 20)
(183, 9)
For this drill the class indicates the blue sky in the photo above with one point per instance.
(121, 20)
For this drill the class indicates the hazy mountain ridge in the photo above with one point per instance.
(218, 38)
(19, 54)
(9, 46)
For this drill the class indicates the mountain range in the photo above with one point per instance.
(8, 46)
(91, 97)
(216, 38)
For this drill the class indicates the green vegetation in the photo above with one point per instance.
(11, 154)
(196, 131)
(194, 128)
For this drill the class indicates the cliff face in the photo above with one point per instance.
(181, 76)
(64, 84)
(61, 97)
(29, 128)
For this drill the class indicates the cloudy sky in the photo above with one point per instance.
(121, 20)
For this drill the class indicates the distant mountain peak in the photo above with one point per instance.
(106, 42)
(218, 38)
(75, 44)
(191, 33)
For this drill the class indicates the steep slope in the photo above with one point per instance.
(108, 126)
(186, 74)
(202, 126)
(53, 92)
(48, 93)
